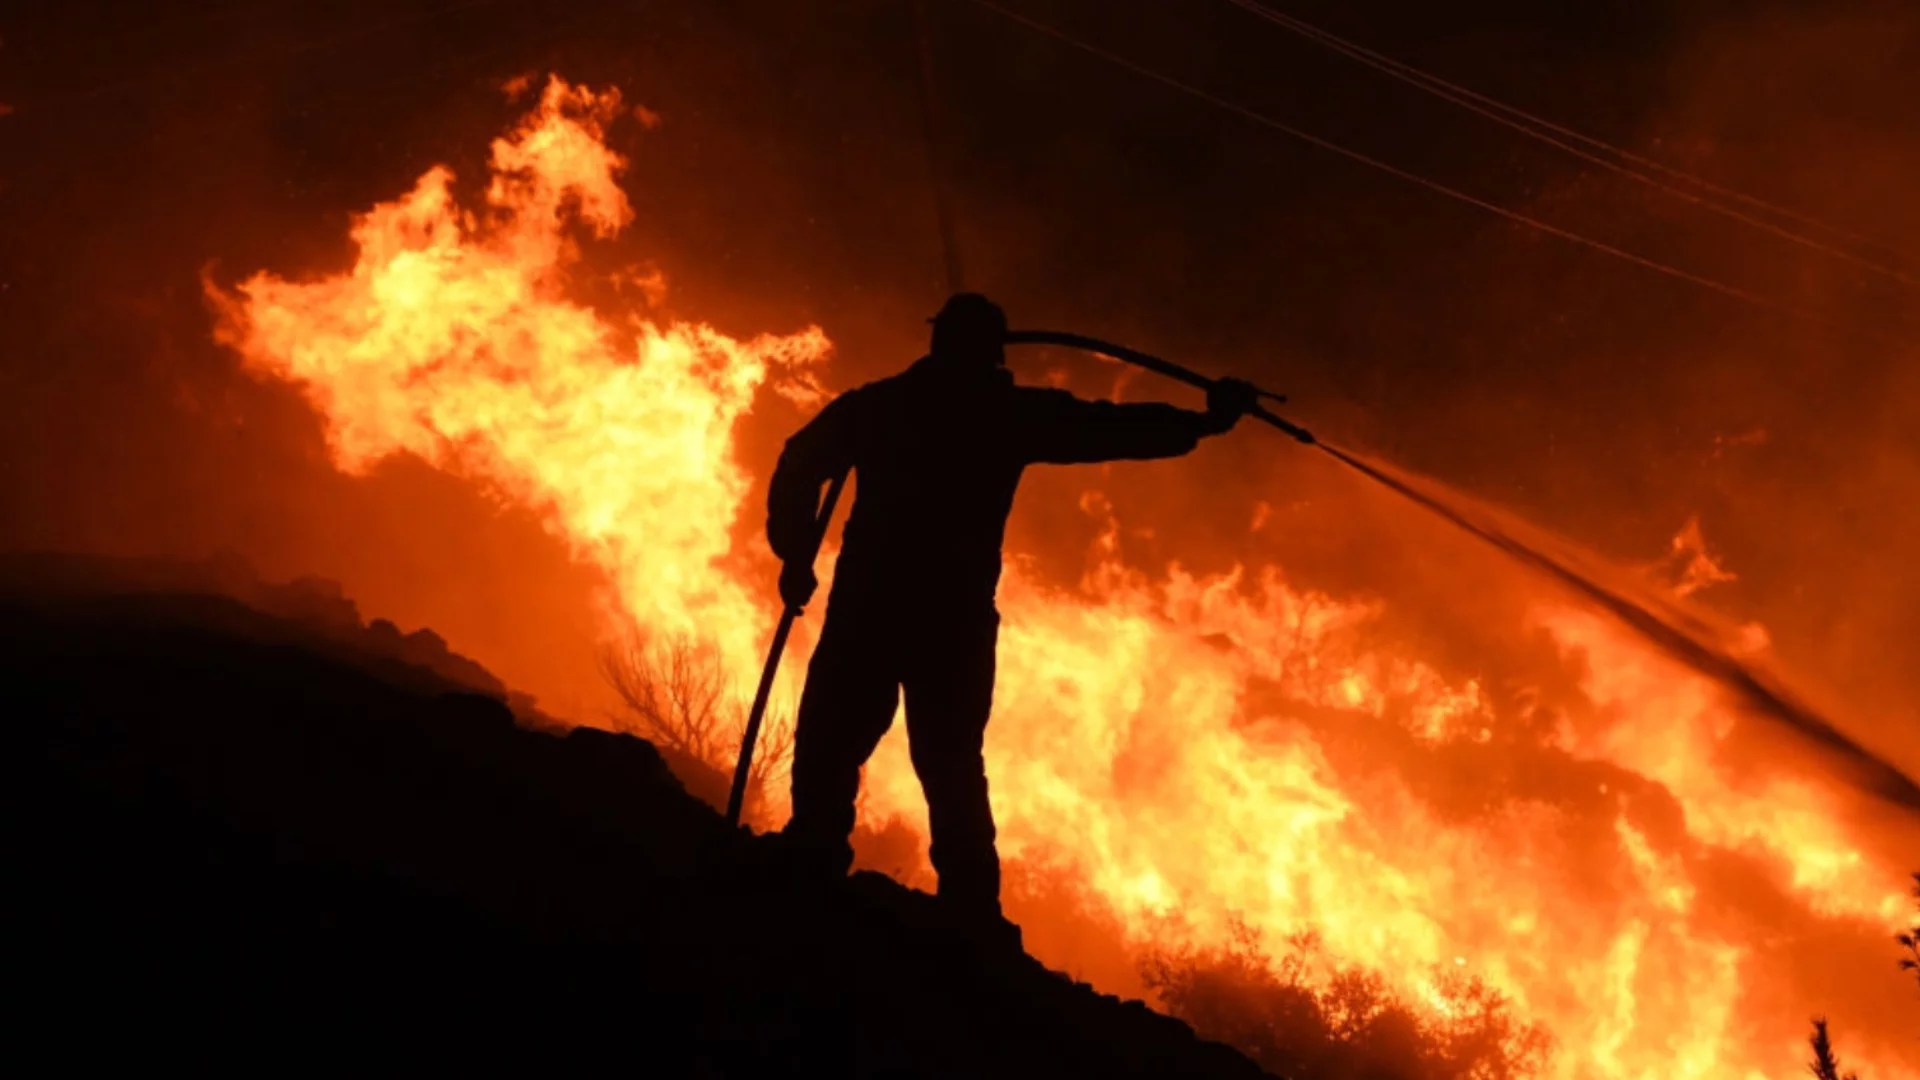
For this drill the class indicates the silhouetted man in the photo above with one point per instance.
(938, 449)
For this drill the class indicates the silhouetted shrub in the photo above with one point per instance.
(1910, 940)
(1298, 1021)
(676, 695)
(1825, 1065)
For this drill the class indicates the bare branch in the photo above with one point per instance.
(1825, 1064)
(676, 693)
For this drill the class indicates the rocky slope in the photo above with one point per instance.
(269, 835)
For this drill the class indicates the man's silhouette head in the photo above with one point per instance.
(970, 330)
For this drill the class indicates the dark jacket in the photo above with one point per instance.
(937, 453)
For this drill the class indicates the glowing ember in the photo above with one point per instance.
(1152, 737)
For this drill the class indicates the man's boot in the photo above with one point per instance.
(980, 921)
(808, 861)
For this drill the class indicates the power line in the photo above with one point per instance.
(1572, 142)
(1515, 216)
(1417, 76)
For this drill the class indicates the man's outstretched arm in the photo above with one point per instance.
(814, 456)
(1066, 430)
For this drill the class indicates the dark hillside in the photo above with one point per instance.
(264, 838)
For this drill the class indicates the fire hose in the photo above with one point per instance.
(1870, 771)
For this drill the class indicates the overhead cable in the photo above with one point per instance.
(1713, 284)
(1587, 148)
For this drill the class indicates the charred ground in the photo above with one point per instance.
(256, 828)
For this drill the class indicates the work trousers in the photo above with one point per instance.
(944, 662)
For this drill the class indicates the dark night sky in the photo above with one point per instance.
(788, 183)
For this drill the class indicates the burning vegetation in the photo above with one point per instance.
(1239, 794)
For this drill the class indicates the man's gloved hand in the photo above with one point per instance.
(797, 584)
(1228, 400)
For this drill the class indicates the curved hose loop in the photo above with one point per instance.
(1154, 364)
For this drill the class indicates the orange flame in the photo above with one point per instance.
(452, 339)
(1129, 743)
